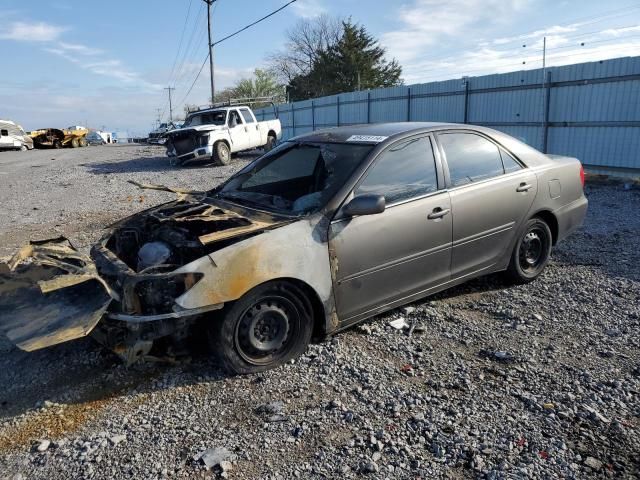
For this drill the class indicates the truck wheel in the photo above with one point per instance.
(271, 143)
(531, 253)
(221, 154)
(75, 143)
(83, 142)
(267, 327)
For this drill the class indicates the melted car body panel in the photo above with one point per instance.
(50, 294)
(297, 251)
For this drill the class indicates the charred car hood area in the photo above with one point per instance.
(140, 256)
(132, 280)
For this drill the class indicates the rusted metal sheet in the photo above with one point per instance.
(50, 294)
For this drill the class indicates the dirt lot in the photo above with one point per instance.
(536, 381)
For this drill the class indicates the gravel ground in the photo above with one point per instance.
(535, 381)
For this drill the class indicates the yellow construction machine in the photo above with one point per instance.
(56, 138)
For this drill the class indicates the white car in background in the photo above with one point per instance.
(217, 132)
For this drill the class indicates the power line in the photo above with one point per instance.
(184, 28)
(196, 79)
(519, 38)
(227, 38)
(254, 23)
(530, 57)
(180, 73)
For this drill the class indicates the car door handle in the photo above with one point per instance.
(524, 187)
(438, 213)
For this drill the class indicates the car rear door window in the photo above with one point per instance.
(510, 164)
(248, 118)
(4, 133)
(470, 157)
(404, 171)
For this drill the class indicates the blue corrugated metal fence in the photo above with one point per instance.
(589, 110)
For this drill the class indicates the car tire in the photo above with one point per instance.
(24, 148)
(57, 144)
(221, 154)
(269, 326)
(271, 143)
(531, 252)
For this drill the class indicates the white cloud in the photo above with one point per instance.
(32, 32)
(439, 41)
(426, 24)
(80, 49)
(309, 8)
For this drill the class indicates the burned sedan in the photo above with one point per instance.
(326, 230)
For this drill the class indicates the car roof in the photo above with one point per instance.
(384, 133)
(217, 109)
(379, 130)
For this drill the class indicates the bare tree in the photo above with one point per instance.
(306, 41)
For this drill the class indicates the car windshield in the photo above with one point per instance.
(296, 178)
(218, 117)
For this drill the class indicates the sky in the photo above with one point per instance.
(106, 65)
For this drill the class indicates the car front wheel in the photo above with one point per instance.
(221, 154)
(531, 253)
(267, 327)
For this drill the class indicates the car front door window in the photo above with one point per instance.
(405, 171)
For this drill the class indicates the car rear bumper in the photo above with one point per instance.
(571, 216)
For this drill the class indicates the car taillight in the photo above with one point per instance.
(582, 175)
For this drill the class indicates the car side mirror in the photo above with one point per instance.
(365, 205)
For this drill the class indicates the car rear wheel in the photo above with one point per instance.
(221, 154)
(531, 253)
(267, 327)
(271, 143)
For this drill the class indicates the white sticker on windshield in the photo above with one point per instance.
(366, 138)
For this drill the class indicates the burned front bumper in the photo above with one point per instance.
(199, 154)
(188, 146)
(50, 293)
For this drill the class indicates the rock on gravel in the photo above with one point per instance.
(373, 401)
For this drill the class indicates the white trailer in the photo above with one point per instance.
(13, 137)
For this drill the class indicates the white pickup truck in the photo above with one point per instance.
(217, 132)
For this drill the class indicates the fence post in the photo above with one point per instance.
(547, 100)
(313, 116)
(338, 109)
(368, 106)
(293, 118)
(466, 101)
(408, 104)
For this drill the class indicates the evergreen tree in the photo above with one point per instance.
(355, 62)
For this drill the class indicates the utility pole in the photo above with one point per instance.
(170, 105)
(209, 21)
